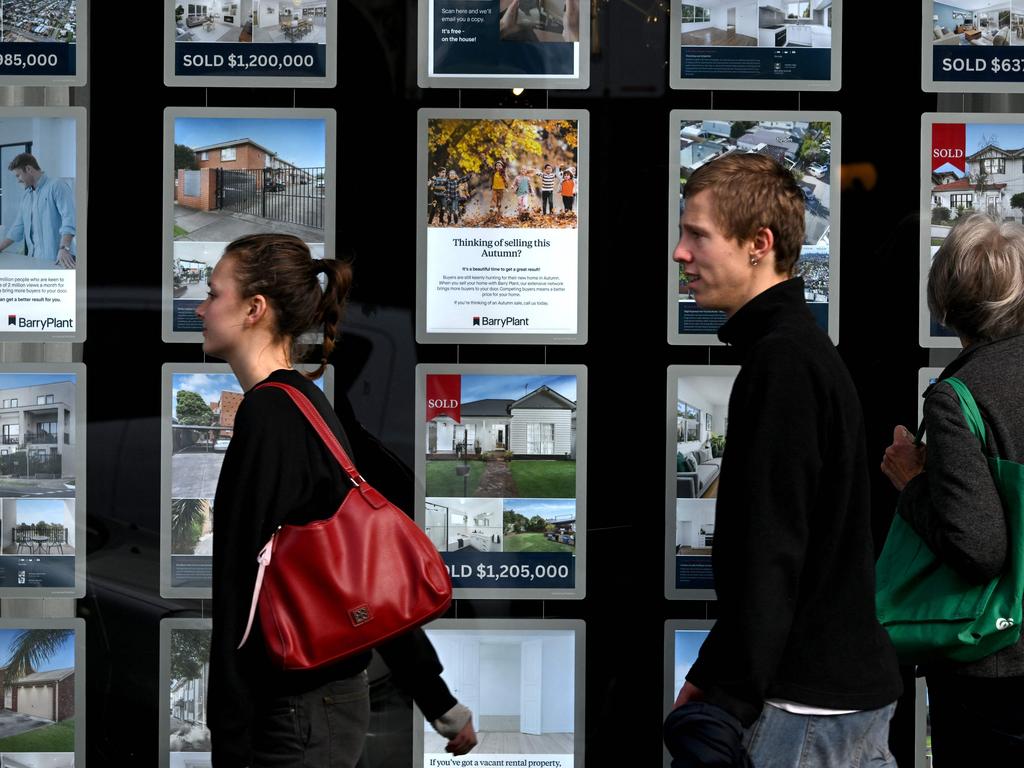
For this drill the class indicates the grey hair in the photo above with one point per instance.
(976, 282)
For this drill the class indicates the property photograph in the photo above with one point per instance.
(203, 408)
(189, 670)
(805, 148)
(502, 173)
(757, 23)
(39, 760)
(702, 406)
(687, 646)
(243, 176)
(539, 525)
(192, 527)
(989, 178)
(37, 674)
(978, 23)
(39, 21)
(539, 21)
(28, 240)
(37, 526)
(38, 437)
(695, 527)
(454, 524)
(520, 685)
(247, 21)
(501, 436)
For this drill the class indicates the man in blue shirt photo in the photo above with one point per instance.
(46, 215)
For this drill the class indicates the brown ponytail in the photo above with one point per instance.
(281, 268)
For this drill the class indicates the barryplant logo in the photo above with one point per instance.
(476, 319)
(42, 324)
(503, 322)
(12, 319)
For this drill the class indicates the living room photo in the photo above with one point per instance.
(702, 403)
(978, 23)
(757, 23)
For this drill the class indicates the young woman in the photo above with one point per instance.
(264, 292)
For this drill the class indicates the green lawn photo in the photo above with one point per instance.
(528, 478)
(533, 542)
(59, 737)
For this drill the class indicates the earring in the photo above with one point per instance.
(754, 262)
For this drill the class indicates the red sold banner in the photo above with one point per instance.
(949, 146)
(444, 396)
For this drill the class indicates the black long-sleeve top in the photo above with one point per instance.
(793, 556)
(277, 470)
(954, 505)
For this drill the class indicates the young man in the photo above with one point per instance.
(46, 215)
(796, 655)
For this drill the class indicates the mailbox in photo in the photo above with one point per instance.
(523, 685)
(974, 164)
(243, 42)
(232, 176)
(41, 719)
(504, 43)
(698, 415)
(805, 144)
(201, 403)
(502, 210)
(752, 44)
(501, 479)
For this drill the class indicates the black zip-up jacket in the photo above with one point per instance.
(954, 504)
(793, 558)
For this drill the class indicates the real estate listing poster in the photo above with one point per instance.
(237, 172)
(697, 419)
(807, 144)
(969, 163)
(42, 480)
(683, 639)
(43, 42)
(925, 378)
(184, 674)
(501, 477)
(200, 402)
(501, 244)
(973, 45)
(42, 721)
(288, 43)
(524, 681)
(756, 44)
(42, 223)
(922, 726)
(504, 44)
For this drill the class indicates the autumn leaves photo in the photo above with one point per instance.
(502, 173)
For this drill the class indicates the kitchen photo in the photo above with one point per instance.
(758, 23)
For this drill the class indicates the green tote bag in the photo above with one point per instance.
(931, 612)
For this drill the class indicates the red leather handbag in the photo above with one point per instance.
(335, 587)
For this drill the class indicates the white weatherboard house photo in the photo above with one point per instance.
(541, 423)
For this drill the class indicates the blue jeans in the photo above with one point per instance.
(324, 728)
(780, 739)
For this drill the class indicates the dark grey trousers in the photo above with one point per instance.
(324, 728)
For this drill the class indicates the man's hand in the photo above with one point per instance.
(464, 742)
(65, 259)
(903, 460)
(571, 21)
(689, 692)
(509, 23)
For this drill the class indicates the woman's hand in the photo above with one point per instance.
(903, 460)
(689, 692)
(464, 742)
(509, 23)
(571, 21)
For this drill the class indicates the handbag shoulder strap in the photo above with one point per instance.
(317, 421)
(970, 409)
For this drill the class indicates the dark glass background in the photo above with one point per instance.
(376, 100)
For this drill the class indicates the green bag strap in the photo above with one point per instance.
(970, 409)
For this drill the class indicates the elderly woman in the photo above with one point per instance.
(976, 288)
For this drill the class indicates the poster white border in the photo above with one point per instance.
(582, 118)
(329, 116)
(579, 81)
(676, 118)
(928, 48)
(579, 629)
(579, 591)
(164, 680)
(669, 681)
(167, 373)
(81, 58)
(678, 82)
